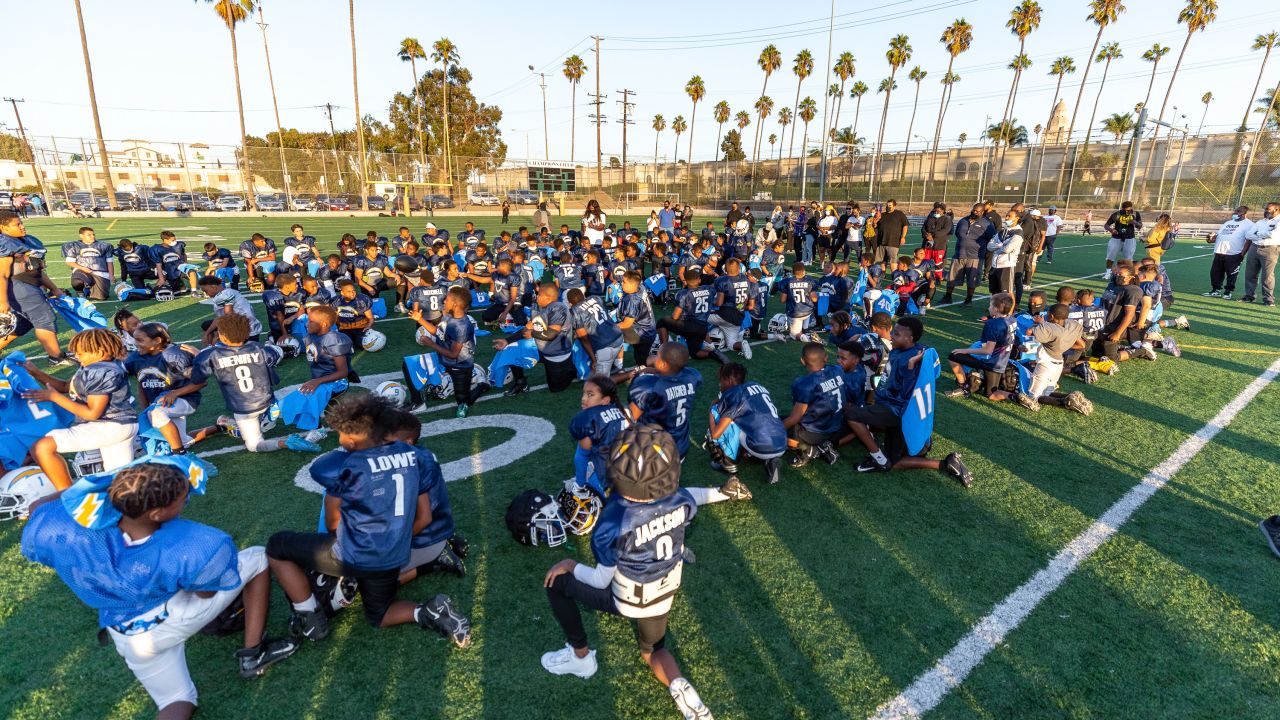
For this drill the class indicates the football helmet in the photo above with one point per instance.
(714, 339)
(533, 518)
(266, 421)
(88, 462)
(421, 335)
(290, 346)
(406, 265)
(373, 341)
(579, 508)
(778, 324)
(164, 294)
(8, 324)
(20, 488)
(479, 376)
(255, 285)
(397, 393)
(644, 463)
(444, 390)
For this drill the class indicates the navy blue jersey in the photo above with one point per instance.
(636, 305)
(95, 255)
(507, 287)
(109, 378)
(373, 270)
(759, 293)
(250, 251)
(618, 268)
(277, 302)
(596, 277)
(352, 310)
(239, 305)
(751, 408)
(137, 260)
(798, 291)
(823, 392)
(568, 276)
(169, 257)
(1152, 289)
(431, 484)
(644, 543)
(219, 258)
(469, 239)
(379, 489)
(331, 275)
(926, 268)
(837, 288)
(28, 256)
(591, 316)
(601, 425)
(899, 383)
(856, 382)
(478, 263)
(772, 261)
(695, 303)
(451, 331)
(556, 313)
(735, 291)
(666, 401)
(122, 581)
(304, 249)
(322, 297)
(166, 370)
(1003, 333)
(324, 350)
(1091, 317)
(245, 374)
(902, 279)
(429, 299)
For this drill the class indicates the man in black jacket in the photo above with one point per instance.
(936, 233)
(973, 232)
(891, 234)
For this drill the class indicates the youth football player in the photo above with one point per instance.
(550, 327)
(689, 318)
(328, 353)
(453, 338)
(506, 287)
(226, 301)
(760, 432)
(135, 263)
(999, 336)
(90, 262)
(815, 423)
(355, 311)
(636, 318)
(594, 430)
(259, 255)
(599, 337)
(23, 284)
(733, 301)
(665, 395)
(283, 304)
(436, 547)
(170, 259)
(1057, 334)
(800, 293)
(371, 271)
(161, 366)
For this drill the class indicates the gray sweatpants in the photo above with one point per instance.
(1261, 265)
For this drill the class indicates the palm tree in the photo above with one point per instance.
(956, 39)
(444, 52)
(844, 69)
(721, 113)
(1196, 16)
(1119, 125)
(411, 51)
(678, 126)
(232, 12)
(808, 110)
(1023, 20)
(1153, 56)
(1262, 42)
(696, 90)
(898, 54)
(803, 68)
(773, 139)
(355, 93)
(574, 69)
(763, 107)
(784, 119)
(1109, 52)
(856, 92)
(1206, 99)
(1008, 132)
(769, 61)
(1102, 13)
(917, 75)
(1267, 108)
(1061, 67)
(946, 176)
(97, 124)
(659, 124)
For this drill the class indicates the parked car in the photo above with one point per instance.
(338, 203)
(322, 202)
(269, 203)
(483, 197)
(377, 202)
(439, 201)
(85, 201)
(204, 202)
(303, 203)
(148, 203)
(126, 201)
(180, 201)
(522, 197)
(231, 203)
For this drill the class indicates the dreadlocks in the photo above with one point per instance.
(97, 341)
(138, 489)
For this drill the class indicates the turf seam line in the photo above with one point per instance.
(929, 689)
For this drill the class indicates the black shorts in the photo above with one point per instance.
(97, 287)
(1104, 347)
(991, 379)
(809, 437)
(567, 593)
(885, 420)
(314, 551)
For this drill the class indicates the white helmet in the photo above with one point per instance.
(714, 339)
(444, 390)
(479, 376)
(20, 488)
(373, 340)
(88, 462)
(397, 393)
(266, 421)
(421, 335)
(742, 225)
(290, 346)
(164, 294)
(778, 324)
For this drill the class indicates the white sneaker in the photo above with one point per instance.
(400, 308)
(746, 349)
(688, 701)
(315, 436)
(1106, 275)
(566, 662)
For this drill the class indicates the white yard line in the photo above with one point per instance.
(928, 690)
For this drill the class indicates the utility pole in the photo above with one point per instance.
(62, 175)
(599, 117)
(93, 105)
(625, 121)
(546, 134)
(355, 91)
(31, 155)
(284, 168)
(333, 139)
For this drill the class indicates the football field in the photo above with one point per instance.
(830, 595)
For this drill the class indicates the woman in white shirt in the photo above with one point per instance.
(651, 225)
(1004, 249)
(594, 223)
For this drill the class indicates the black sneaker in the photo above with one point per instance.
(332, 593)
(310, 625)
(1271, 531)
(438, 614)
(960, 391)
(954, 466)
(802, 458)
(516, 388)
(63, 360)
(772, 470)
(870, 464)
(460, 545)
(828, 452)
(448, 561)
(255, 660)
(726, 468)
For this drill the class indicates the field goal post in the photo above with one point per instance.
(639, 196)
(406, 186)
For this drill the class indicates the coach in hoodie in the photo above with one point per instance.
(973, 233)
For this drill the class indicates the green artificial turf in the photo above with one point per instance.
(823, 597)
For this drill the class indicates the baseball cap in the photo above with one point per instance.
(1035, 212)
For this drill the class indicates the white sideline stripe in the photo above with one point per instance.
(928, 690)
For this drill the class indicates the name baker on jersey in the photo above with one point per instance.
(660, 526)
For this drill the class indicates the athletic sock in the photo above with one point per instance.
(308, 605)
(879, 457)
(707, 495)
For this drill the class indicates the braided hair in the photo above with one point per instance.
(644, 463)
(97, 341)
(138, 489)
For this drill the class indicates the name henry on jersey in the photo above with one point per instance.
(660, 525)
(391, 462)
(250, 358)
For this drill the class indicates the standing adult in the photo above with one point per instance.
(1160, 238)
(37, 205)
(1005, 250)
(891, 233)
(1264, 249)
(993, 216)
(851, 227)
(1033, 227)
(685, 218)
(732, 217)
(1123, 225)
(801, 219)
(1228, 252)
(506, 211)
(973, 233)
(751, 219)
(542, 217)
(1088, 222)
(667, 218)
(23, 284)
(594, 223)
(1053, 224)
(935, 233)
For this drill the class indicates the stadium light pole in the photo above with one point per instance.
(546, 142)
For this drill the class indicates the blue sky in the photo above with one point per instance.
(163, 67)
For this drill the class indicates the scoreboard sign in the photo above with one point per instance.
(548, 178)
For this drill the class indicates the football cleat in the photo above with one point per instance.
(1226, 296)
(870, 464)
(1171, 346)
(298, 443)
(1271, 531)
(960, 391)
(254, 661)
(460, 545)
(566, 662)
(746, 349)
(1087, 374)
(1028, 402)
(828, 452)
(802, 457)
(1212, 293)
(312, 625)
(1078, 402)
(438, 614)
(517, 387)
(954, 466)
(1145, 352)
(772, 470)
(449, 562)
(1182, 323)
(735, 489)
(688, 701)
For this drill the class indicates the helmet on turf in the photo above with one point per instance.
(20, 488)
(373, 340)
(479, 375)
(714, 339)
(442, 391)
(290, 346)
(395, 392)
(122, 290)
(644, 463)
(579, 508)
(88, 462)
(778, 324)
(421, 335)
(164, 294)
(534, 519)
(8, 323)
(480, 267)
(255, 285)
